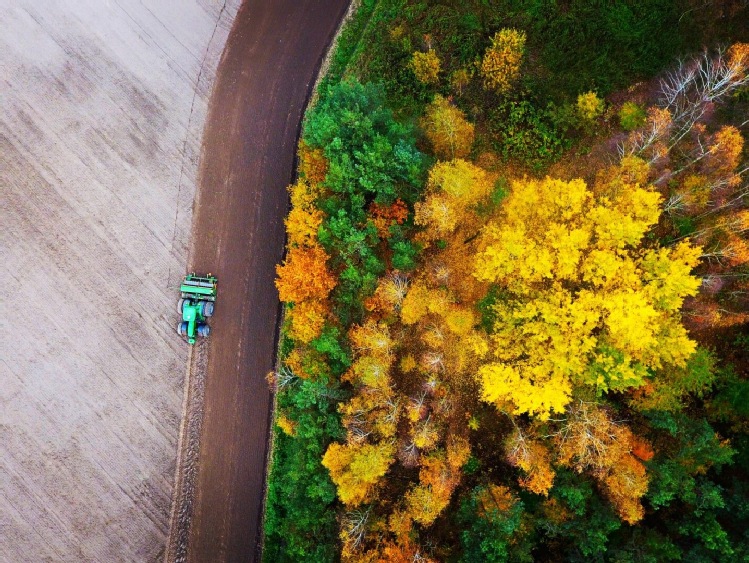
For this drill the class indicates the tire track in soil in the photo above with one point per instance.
(263, 82)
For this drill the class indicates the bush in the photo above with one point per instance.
(426, 66)
(522, 131)
(589, 107)
(500, 66)
(632, 116)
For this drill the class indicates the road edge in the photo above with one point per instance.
(312, 96)
(326, 61)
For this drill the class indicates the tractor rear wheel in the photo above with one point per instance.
(181, 305)
(182, 329)
(206, 308)
(204, 330)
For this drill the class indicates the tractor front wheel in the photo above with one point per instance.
(182, 329)
(204, 330)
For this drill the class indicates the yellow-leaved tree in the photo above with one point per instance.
(583, 301)
(452, 189)
(500, 66)
(357, 469)
(589, 106)
(426, 66)
(447, 129)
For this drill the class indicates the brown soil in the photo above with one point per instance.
(263, 82)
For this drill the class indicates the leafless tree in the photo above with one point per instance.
(689, 90)
(355, 526)
(687, 93)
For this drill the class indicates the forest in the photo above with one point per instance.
(516, 288)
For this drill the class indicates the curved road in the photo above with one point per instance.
(263, 81)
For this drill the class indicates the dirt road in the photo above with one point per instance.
(263, 80)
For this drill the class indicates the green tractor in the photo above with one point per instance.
(196, 305)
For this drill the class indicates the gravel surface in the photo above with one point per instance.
(102, 108)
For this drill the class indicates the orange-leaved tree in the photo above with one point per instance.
(533, 458)
(313, 166)
(386, 216)
(304, 275)
(304, 279)
(589, 440)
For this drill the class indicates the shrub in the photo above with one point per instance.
(426, 66)
(589, 106)
(500, 66)
(632, 116)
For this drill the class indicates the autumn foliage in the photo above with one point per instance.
(386, 216)
(589, 106)
(500, 66)
(534, 459)
(483, 363)
(586, 304)
(452, 189)
(304, 275)
(356, 469)
(426, 66)
(590, 441)
(447, 129)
